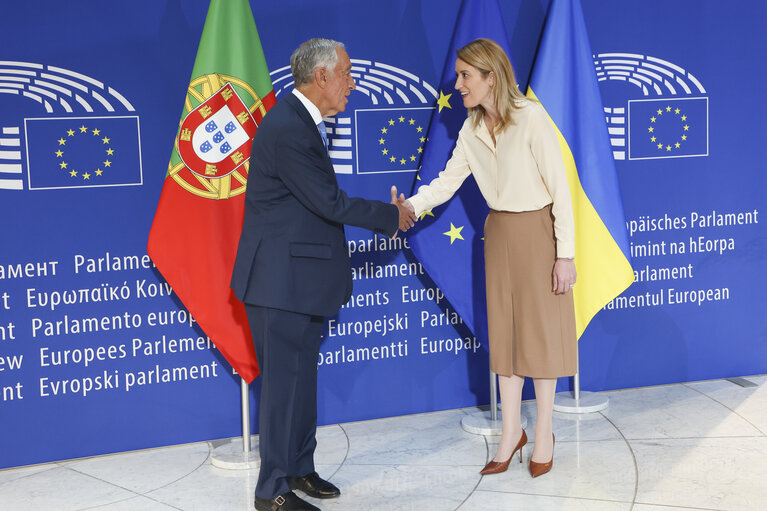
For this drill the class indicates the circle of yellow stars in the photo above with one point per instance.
(664, 145)
(85, 175)
(391, 125)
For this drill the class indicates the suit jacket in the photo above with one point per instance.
(292, 253)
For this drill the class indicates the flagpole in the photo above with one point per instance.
(484, 423)
(231, 455)
(493, 397)
(245, 406)
(576, 401)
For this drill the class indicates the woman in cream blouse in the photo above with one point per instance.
(511, 148)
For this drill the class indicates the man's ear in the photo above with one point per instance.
(321, 77)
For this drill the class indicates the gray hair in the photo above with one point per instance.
(312, 54)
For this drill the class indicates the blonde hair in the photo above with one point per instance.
(486, 55)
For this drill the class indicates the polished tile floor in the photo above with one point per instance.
(685, 447)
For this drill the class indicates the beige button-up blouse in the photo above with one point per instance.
(522, 172)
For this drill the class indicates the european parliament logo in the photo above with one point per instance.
(670, 118)
(85, 141)
(384, 127)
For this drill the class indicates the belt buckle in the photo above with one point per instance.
(280, 500)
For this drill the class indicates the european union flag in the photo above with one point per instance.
(668, 128)
(83, 152)
(449, 241)
(391, 140)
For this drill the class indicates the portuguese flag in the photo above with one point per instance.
(194, 235)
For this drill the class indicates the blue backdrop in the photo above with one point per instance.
(96, 353)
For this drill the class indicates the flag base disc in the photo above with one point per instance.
(232, 457)
(480, 423)
(589, 402)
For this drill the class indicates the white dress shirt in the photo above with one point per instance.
(311, 107)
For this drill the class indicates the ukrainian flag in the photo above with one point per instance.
(564, 81)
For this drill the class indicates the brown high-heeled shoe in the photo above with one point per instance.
(496, 467)
(538, 469)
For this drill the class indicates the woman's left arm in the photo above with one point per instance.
(563, 275)
(548, 156)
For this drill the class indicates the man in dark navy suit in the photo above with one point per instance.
(292, 267)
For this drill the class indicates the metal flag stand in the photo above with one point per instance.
(487, 423)
(576, 401)
(231, 455)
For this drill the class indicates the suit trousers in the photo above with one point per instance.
(287, 348)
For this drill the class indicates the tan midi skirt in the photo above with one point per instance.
(531, 329)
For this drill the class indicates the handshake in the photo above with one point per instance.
(406, 210)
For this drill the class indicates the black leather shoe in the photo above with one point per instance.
(315, 486)
(285, 502)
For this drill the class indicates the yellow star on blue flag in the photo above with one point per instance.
(454, 233)
(443, 101)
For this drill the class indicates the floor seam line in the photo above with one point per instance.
(727, 407)
(557, 496)
(346, 454)
(135, 494)
(487, 449)
(680, 507)
(633, 458)
(198, 467)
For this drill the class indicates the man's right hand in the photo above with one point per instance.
(407, 216)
